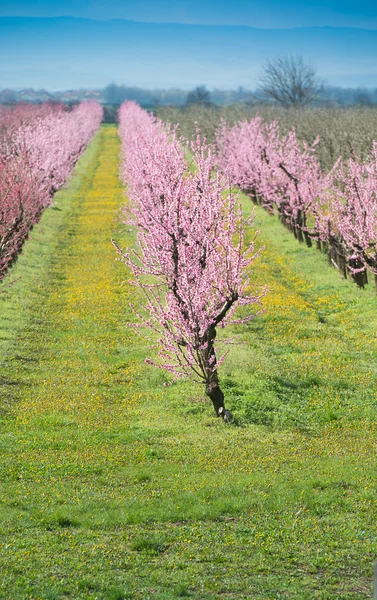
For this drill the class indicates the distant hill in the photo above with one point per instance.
(66, 52)
(8, 96)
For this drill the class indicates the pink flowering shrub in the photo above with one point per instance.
(337, 209)
(191, 260)
(39, 146)
(353, 214)
(275, 171)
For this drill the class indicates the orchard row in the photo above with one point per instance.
(338, 209)
(39, 146)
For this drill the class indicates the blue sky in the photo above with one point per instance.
(255, 13)
(182, 43)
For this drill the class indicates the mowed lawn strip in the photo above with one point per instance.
(114, 486)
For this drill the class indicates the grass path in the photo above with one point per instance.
(115, 487)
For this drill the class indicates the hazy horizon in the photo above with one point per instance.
(158, 45)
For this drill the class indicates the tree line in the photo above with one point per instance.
(284, 81)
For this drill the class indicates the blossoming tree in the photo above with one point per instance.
(191, 261)
(354, 214)
(39, 146)
(337, 209)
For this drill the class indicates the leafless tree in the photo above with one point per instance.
(200, 95)
(289, 81)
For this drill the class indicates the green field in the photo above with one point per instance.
(116, 487)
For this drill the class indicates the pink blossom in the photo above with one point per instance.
(191, 260)
(39, 146)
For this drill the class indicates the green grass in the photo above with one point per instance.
(115, 487)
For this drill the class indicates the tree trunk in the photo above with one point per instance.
(360, 278)
(343, 264)
(214, 392)
(299, 235)
(308, 239)
(212, 380)
(298, 224)
(331, 256)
